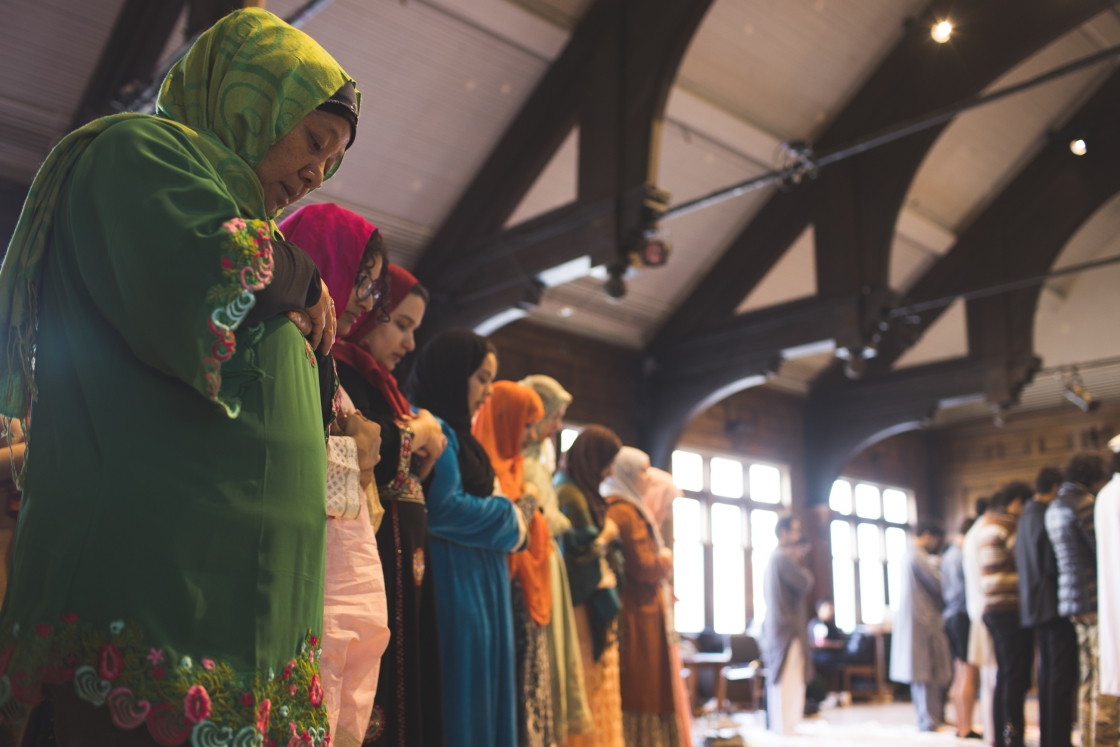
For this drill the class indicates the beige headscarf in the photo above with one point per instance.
(540, 457)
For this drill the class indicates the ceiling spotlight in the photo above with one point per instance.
(566, 311)
(941, 32)
(1080, 396)
(1078, 147)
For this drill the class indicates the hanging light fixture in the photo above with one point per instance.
(1078, 147)
(1076, 393)
(941, 31)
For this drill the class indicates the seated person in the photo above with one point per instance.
(823, 632)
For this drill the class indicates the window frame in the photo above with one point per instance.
(746, 504)
(882, 524)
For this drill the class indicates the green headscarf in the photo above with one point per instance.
(243, 86)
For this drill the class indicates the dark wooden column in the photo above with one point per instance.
(612, 79)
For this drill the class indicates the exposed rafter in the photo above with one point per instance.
(854, 205)
(1022, 231)
(130, 59)
(613, 79)
(130, 55)
(1019, 235)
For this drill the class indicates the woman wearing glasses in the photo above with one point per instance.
(408, 705)
(351, 259)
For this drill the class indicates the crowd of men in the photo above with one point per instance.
(1034, 576)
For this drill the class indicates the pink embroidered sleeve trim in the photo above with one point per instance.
(246, 268)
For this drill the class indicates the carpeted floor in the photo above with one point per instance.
(889, 725)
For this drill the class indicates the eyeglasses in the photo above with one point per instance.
(368, 287)
(377, 289)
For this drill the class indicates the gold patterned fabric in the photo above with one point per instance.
(601, 678)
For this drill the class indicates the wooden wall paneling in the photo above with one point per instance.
(975, 459)
(601, 377)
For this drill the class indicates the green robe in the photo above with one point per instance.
(232, 570)
(168, 563)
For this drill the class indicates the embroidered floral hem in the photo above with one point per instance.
(246, 268)
(177, 698)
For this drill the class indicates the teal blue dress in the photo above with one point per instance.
(471, 538)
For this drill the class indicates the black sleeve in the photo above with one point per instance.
(295, 284)
(359, 392)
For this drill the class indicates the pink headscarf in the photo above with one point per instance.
(659, 496)
(335, 238)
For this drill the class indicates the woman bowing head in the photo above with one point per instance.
(407, 707)
(351, 257)
(505, 426)
(472, 533)
(168, 571)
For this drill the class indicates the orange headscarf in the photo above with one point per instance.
(501, 421)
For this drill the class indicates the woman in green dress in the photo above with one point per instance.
(168, 567)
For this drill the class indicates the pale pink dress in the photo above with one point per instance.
(355, 615)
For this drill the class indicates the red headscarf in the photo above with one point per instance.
(335, 238)
(501, 421)
(347, 350)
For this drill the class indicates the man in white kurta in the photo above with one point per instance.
(1106, 519)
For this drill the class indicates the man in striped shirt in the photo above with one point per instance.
(999, 579)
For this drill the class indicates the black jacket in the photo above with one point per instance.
(1037, 566)
(1069, 524)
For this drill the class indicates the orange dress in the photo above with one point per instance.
(648, 705)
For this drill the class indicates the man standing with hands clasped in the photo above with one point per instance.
(785, 641)
(919, 648)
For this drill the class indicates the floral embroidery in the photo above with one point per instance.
(208, 705)
(418, 566)
(197, 704)
(109, 662)
(246, 267)
(376, 724)
(315, 691)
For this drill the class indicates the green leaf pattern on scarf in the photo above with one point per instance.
(242, 87)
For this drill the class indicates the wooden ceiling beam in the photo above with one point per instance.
(1020, 234)
(130, 55)
(854, 204)
(612, 79)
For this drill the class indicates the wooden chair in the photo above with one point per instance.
(875, 672)
(744, 675)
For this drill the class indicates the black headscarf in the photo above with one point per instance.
(344, 103)
(439, 383)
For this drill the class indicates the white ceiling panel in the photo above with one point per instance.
(48, 49)
(945, 339)
(792, 277)
(437, 93)
(983, 149)
(788, 66)
(1078, 317)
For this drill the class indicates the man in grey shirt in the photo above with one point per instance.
(955, 614)
(919, 649)
(784, 640)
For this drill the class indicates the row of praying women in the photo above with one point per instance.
(485, 645)
(236, 530)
